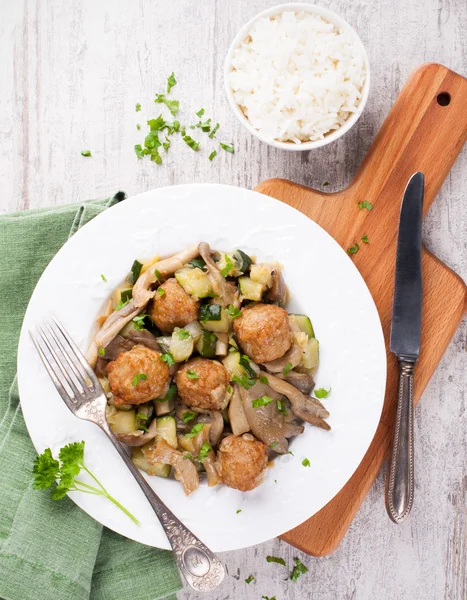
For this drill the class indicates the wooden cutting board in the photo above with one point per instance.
(424, 131)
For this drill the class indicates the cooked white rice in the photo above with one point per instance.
(297, 77)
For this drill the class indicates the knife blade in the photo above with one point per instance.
(405, 344)
(407, 306)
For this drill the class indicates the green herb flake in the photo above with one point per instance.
(261, 401)
(138, 322)
(86, 153)
(157, 274)
(204, 126)
(172, 105)
(204, 451)
(244, 381)
(104, 278)
(263, 379)
(171, 82)
(365, 239)
(160, 291)
(138, 126)
(194, 431)
(138, 377)
(168, 358)
(322, 393)
(121, 304)
(101, 351)
(138, 107)
(287, 368)
(298, 570)
(213, 132)
(227, 147)
(229, 265)
(170, 394)
(281, 407)
(139, 151)
(273, 445)
(189, 141)
(229, 389)
(212, 155)
(166, 144)
(233, 312)
(353, 249)
(200, 113)
(188, 415)
(183, 334)
(250, 579)
(268, 598)
(326, 183)
(192, 374)
(238, 511)
(305, 462)
(365, 204)
(275, 559)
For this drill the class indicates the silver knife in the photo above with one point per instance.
(405, 344)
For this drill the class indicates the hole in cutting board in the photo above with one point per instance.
(443, 99)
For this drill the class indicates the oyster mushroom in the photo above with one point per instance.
(307, 408)
(278, 292)
(215, 420)
(195, 445)
(184, 470)
(237, 417)
(293, 357)
(226, 291)
(302, 381)
(267, 423)
(138, 437)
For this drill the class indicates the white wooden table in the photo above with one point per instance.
(70, 76)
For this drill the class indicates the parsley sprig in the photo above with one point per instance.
(47, 470)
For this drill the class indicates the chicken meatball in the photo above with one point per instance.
(202, 383)
(263, 332)
(241, 461)
(173, 308)
(137, 376)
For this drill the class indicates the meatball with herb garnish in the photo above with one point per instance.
(202, 383)
(263, 332)
(242, 461)
(137, 376)
(173, 307)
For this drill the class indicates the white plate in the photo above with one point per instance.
(324, 284)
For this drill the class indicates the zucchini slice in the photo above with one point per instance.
(181, 349)
(194, 281)
(311, 354)
(304, 324)
(206, 344)
(166, 428)
(242, 260)
(232, 363)
(140, 460)
(249, 289)
(220, 325)
(121, 421)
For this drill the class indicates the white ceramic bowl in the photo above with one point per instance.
(330, 16)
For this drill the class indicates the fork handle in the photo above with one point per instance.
(400, 486)
(200, 567)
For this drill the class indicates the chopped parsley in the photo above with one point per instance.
(273, 445)
(214, 129)
(365, 239)
(238, 511)
(275, 559)
(281, 407)
(170, 394)
(250, 579)
(172, 105)
(121, 304)
(229, 389)
(305, 462)
(139, 151)
(227, 147)
(200, 113)
(166, 144)
(189, 141)
(263, 379)
(138, 377)
(322, 393)
(188, 415)
(365, 204)
(138, 126)
(138, 107)
(353, 249)
(287, 368)
(160, 291)
(192, 374)
(212, 155)
(101, 351)
(233, 312)
(326, 183)
(204, 126)
(171, 82)
(86, 153)
(103, 277)
(168, 358)
(194, 431)
(244, 381)
(204, 451)
(298, 570)
(183, 334)
(261, 401)
(229, 265)
(157, 274)
(268, 598)
(139, 322)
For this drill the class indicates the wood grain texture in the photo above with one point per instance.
(416, 136)
(71, 74)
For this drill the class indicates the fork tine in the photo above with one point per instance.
(70, 358)
(59, 362)
(77, 352)
(67, 397)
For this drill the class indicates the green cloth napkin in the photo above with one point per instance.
(49, 549)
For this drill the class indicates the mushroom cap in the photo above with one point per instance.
(242, 461)
(174, 308)
(126, 387)
(208, 390)
(263, 332)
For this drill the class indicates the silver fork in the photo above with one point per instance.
(81, 391)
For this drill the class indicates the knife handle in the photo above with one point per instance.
(400, 486)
